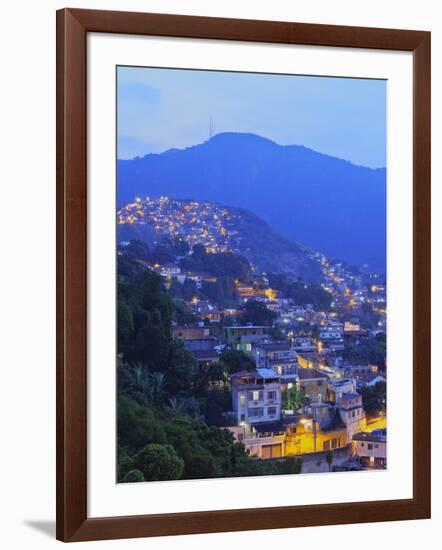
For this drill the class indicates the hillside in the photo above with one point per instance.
(219, 229)
(326, 203)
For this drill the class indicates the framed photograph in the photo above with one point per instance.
(243, 274)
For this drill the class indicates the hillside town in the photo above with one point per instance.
(306, 361)
(197, 223)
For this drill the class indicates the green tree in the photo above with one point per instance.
(329, 459)
(181, 370)
(138, 380)
(133, 476)
(291, 465)
(374, 398)
(223, 264)
(304, 294)
(137, 250)
(371, 351)
(257, 313)
(218, 401)
(125, 463)
(183, 314)
(236, 361)
(159, 462)
(293, 398)
(137, 426)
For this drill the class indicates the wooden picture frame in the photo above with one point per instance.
(73, 523)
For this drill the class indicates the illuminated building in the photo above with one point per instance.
(371, 448)
(256, 396)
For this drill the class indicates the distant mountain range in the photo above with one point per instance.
(328, 204)
(216, 226)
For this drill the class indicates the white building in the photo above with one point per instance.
(170, 270)
(269, 355)
(371, 448)
(260, 443)
(333, 330)
(352, 413)
(256, 396)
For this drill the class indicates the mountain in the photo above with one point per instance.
(328, 204)
(219, 229)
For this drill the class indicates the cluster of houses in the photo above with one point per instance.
(354, 290)
(330, 415)
(305, 359)
(197, 222)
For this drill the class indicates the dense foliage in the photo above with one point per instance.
(257, 313)
(301, 292)
(374, 398)
(170, 410)
(222, 264)
(372, 350)
(293, 398)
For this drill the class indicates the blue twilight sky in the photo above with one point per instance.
(163, 108)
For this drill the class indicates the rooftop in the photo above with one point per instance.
(246, 326)
(376, 436)
(260, 374)
(310, 374)
(269, 427)
(275, 346)
(350, 395)
(267, 373)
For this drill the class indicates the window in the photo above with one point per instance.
(271, 411)
(370, 446)
(271, 395)
(353, 414)
(240, 437)
(326, 445)
(242, 417)
(256, 395)
(334, 443)
(257, 411)
(242, 400)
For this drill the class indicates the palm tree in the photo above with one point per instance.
(157, 381)
(138, 381)
(145, 386)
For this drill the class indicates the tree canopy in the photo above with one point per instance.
(165, 399)
(221, 264)
(257, 313)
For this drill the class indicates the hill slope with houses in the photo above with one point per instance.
(329, 204)
(219, 229)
